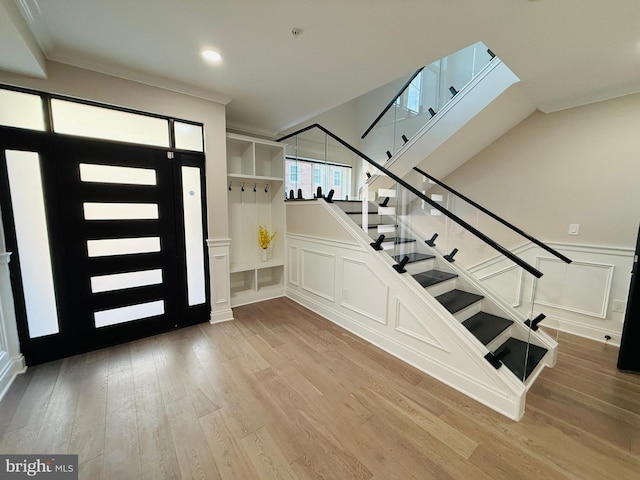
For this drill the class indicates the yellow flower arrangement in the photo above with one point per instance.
(264, 237)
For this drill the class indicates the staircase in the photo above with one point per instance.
(509, 341)
(375, 275)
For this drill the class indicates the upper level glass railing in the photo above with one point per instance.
(420, 98)
(429, 242)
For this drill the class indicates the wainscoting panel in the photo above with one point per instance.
(371, 301)
(508, 282)
(407, 323)
(576, 298)
(321, 268)
(221, 285)
(294, 265)
(581, 287)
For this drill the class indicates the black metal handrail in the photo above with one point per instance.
(495, 217)
(495, 245)
(393, 100)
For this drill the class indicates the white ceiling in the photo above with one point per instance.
(566, 52)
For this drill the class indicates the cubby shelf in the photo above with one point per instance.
(258, 165)
(248, 286)
(254, 157)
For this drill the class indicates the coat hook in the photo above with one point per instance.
(266, 188)
(229, 186)
(255, 186)
(242, 188)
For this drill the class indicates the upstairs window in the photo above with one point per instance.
(294, 173)
(337, 178)
(411, 98)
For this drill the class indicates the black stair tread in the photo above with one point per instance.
(414, 257)
(514, 359)
(358, 212)
(433, 277)
(485, 326)
(456, 300)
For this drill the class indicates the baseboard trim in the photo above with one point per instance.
(221, 316)
(582, 330)
(11, 369)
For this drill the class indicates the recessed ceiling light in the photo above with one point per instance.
(211, 55)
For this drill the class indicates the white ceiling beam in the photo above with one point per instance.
(20, 51)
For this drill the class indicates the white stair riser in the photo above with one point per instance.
(500, 339)
(399, 249)
(386, 229)
(442, 287)
(468, 312)
(386, 192)
(386, 211)
(419, 267)
(371, 219)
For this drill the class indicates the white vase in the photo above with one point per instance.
(264, 254)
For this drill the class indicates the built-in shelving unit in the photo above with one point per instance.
(255, 174)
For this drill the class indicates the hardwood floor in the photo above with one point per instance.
(281, 393)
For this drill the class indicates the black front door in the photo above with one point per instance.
(116, 223)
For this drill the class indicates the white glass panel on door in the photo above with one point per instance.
(120, 211)
(27, 199)
(129, 313)
(122, 246)
(188, 136)
(91, 172)
(104, 123)
(194, 238)
(21, 110)
(120, 281)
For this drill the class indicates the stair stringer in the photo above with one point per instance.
(355, 287)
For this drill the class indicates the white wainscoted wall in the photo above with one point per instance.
(332, 270)
(11, 360)
(587, 297)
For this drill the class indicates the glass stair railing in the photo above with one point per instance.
(421, 98)
(438, 248)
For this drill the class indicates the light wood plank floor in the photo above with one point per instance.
(284, 394)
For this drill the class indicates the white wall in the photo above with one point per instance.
(575, 166)
(340, 120)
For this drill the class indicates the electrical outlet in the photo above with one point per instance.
(345, 294)
(618, 306)
(574, 228)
